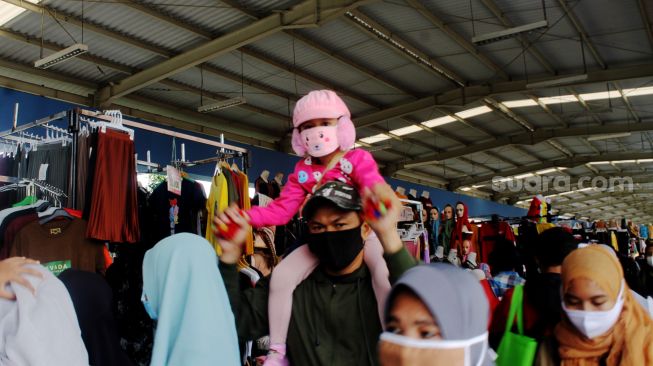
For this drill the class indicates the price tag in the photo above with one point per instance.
(174, 180)
(43, 171)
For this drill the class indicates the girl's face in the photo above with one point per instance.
(467, 247)
(409, 317)
(435, 215)
(320, 137)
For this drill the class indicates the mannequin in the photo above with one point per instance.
(464, 229)
(426, 200)
(276, 185)
(401, 192)
(447, 229)
(412, 195)
(261, 185)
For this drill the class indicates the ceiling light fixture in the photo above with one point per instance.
(61, 56)
(546, 171)
(644, 161)
(559, 99)
(527, 175)
(227, 103)
(519, 103)
(508, 33)
(558, 81)
(598, 162)
(608, 136)
(438, 121)
(376, 138)
(473, 112)
(406, 130)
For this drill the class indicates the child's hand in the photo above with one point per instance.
(385, 226)
(231, 227)
(14, 270)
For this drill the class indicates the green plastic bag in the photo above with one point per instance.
(516, 349)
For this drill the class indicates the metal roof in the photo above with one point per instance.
(396, 63)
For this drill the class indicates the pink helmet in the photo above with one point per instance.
(323, 104)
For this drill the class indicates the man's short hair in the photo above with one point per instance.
(553, 245)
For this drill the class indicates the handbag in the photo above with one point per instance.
(516, 349)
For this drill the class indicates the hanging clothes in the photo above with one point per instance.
(490, 233)
(216, 203)
(52, 162)
(464, 226)
(59, 245)
(113, 215)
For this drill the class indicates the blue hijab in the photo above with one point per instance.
(186, 295)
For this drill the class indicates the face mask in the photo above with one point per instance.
(148, 307)
(320, 141)
(336, 249)
(595, 323)
(400, 350)
(649, 260)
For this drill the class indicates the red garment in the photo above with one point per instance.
(489, 233)
(491, 299)
(114, 210)
(457, 235)
(74, 213)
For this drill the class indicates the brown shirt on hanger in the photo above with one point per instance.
(59, 245)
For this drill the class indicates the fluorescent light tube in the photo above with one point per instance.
(557, 81)
(508, 33)
(598, 162)
(527, 175)
(647, 90)
(546, 171)
(644, 161)
(406, 130)
(519, 103)
(559, 99)
(624, 161)
(376, 138)
(601, 95)
(228, 103)
(608, 136)
(466, 189)
(473, 112)
(61, 56)
(438, 121)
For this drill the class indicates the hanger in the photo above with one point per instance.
(55, 212)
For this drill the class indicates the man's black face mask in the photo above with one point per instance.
(336, 249)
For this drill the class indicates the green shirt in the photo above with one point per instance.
(334, 320)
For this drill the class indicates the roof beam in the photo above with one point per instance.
(522, 39)
(602, 195)
(567, 163)
(583, 34)
(603, 204)
(301, 15)
(531, 138)
(132, 70)
(643, 11)
(459, 39)
(403, 47)
(469, 94)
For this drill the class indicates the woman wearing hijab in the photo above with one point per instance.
(434, 231)
(425, 328)
(183, 291)
(603, 324)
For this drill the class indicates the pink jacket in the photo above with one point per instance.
(357, 167)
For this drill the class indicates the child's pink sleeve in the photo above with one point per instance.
(365, 172)
(281, 210)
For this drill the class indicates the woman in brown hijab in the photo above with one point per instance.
(603, 323)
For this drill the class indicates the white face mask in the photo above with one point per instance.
(596, 323)
(649, 260)
(398, 350)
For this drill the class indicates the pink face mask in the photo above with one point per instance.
(320, 141)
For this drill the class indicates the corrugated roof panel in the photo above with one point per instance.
(378, 91)
(468, 67)
(421, 80)
(126, 20)
(267, 6)
(206, 14)
(625, 46)
(280, 47)
(98, 45)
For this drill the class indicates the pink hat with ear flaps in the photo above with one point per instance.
(323, 104)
